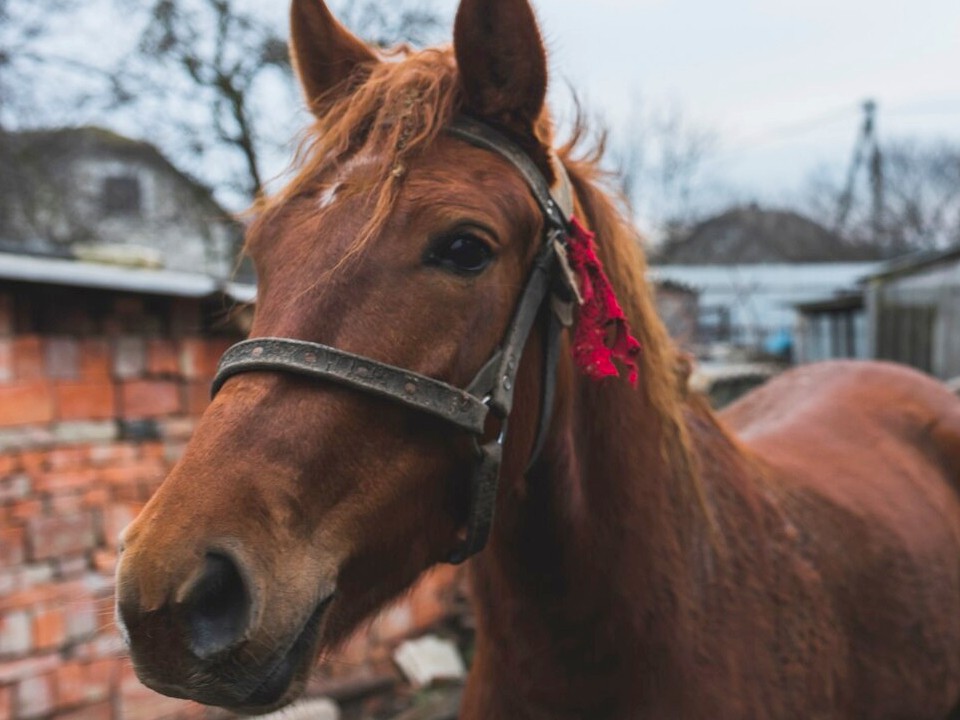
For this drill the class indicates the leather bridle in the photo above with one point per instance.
(550, 293)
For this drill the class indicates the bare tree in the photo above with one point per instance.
(24, 25)
(659, 156)
(216, 80)
(205, 61)
(921, 199)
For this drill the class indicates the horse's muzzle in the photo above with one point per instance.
(200, 642)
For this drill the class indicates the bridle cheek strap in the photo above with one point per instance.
(549, 293)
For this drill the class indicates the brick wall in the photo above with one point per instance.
(90, 423)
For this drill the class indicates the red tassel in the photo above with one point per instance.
(599, 312)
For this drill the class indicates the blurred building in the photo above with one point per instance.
(678, 307)
(89, 193)
(832, 327)
(751, 267)
(906, 310)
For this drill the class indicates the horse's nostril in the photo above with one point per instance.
(217, 608)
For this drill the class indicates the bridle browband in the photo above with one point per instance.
(549, 294)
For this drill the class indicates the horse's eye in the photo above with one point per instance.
(461, 253)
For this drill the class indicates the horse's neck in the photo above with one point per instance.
(587, 570)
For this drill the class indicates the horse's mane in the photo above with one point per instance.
(396, 109)
(663, 371)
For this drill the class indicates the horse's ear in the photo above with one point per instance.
(502, 61)
(324, 53)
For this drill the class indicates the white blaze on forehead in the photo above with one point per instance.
(328, 196)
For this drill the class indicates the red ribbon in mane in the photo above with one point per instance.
(599, 313)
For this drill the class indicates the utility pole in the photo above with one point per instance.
(867, 148)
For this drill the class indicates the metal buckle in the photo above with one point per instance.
(503, 422)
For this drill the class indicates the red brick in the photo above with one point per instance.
(33, 461)
(96, 497)
(153, 451)
(51, 537)
(87, 400)
(11, 580)
(66, 504)
(83, 617)
(115, 518)
(26, 403)
(24, 510)
(137, 702)
(70, 685)
(96, 360)
(197, 396)
(28, 357)
(107, 644)
(163, 357)
(6, 360)
(100, 711)
(15, 635)
(67, 457)
(132, 472)
(6, 703)
(178, 428)
(36, 696)
(11, 546)
(64, 480)
(199, 357)
(14, 487)
(100, 677)
(113, 453)
(13, 671)
(132, 492)
(9, 463)
(129, 357)
(105, 561)
(149, 398)
(150, 487)
(72, 568)
(62, 358)
(49, 630)
(31, 597)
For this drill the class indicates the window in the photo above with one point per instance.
(121, 195)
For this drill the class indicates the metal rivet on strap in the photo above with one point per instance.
(506, 383)
(310, 357)
(363, 371)
(257, 351)
(410, 388)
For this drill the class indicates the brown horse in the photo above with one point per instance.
(797, 558)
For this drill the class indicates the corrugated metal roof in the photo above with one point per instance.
(57, 271)
(914, 262)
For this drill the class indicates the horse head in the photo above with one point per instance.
(301, 507)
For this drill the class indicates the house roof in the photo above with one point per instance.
(915, 262)
(750, 235)
(57, 271)
(34, 157)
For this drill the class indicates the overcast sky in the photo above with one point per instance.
(780, 81)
